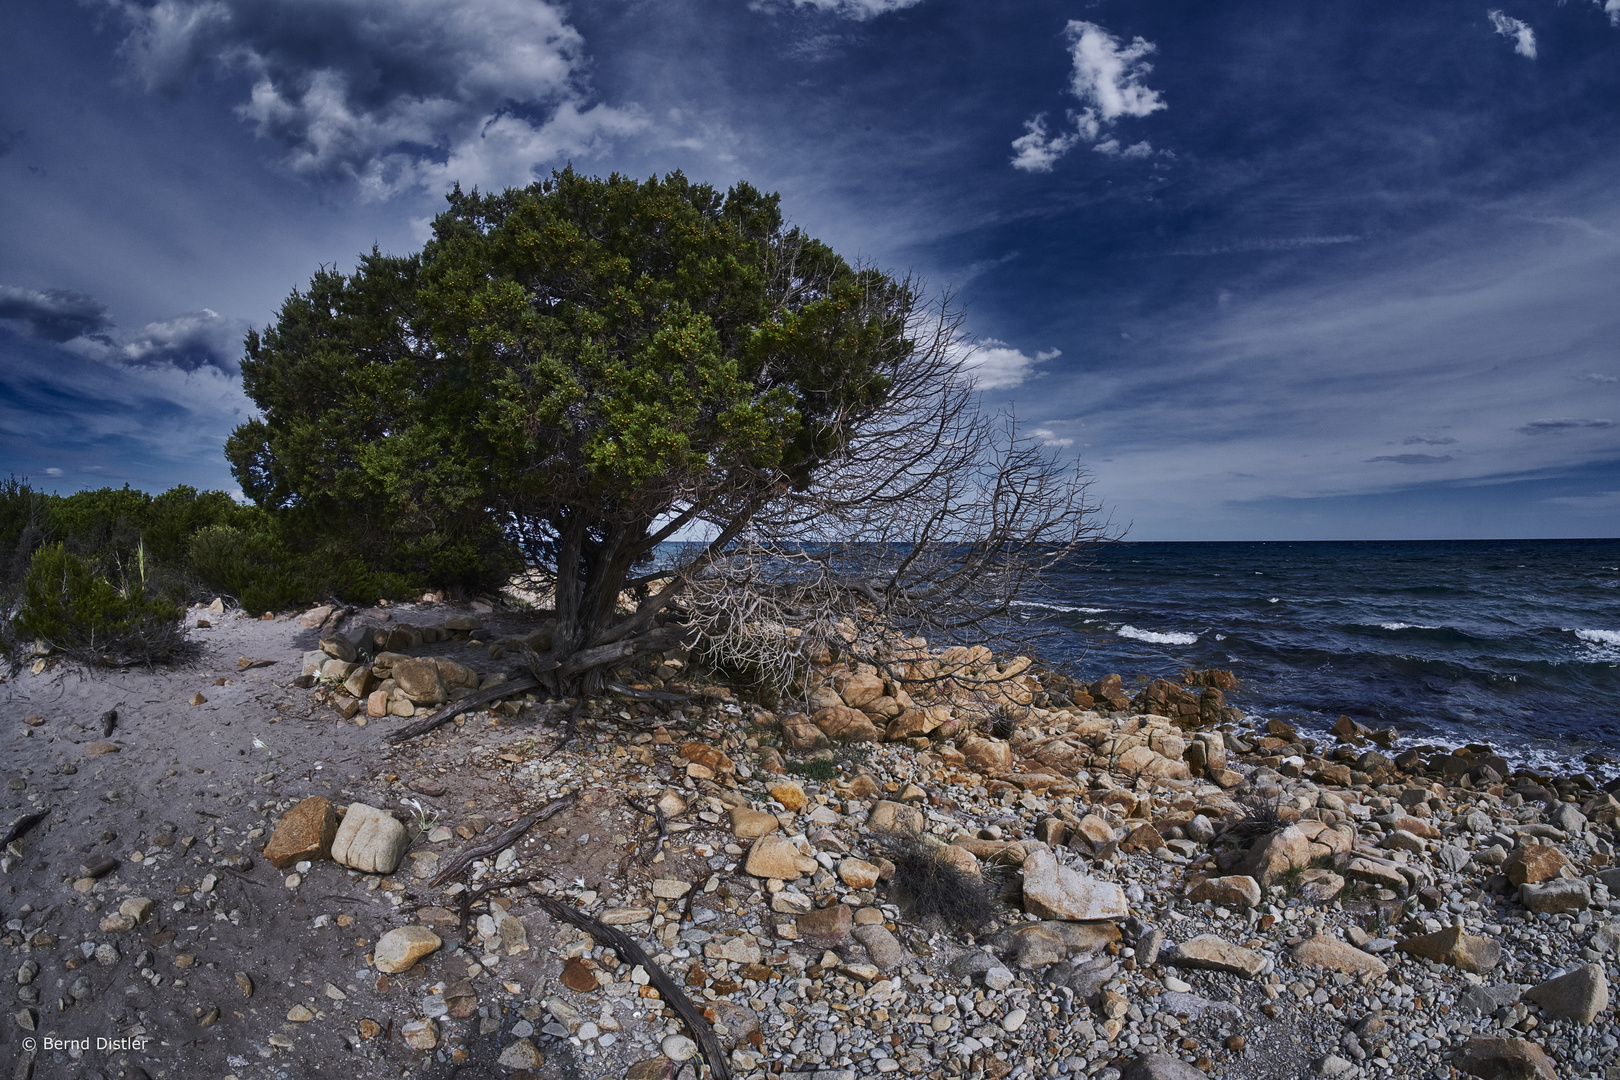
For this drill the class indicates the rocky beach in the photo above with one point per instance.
(960, 865)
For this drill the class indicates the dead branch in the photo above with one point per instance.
(517, 684)
(568, 730)
(628, 949)
(504, 840)
(656, 812)
(22, 825)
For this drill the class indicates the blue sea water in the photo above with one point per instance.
(1514, 643)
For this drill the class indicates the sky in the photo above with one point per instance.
(1266, 270)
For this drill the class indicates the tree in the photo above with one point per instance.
(592, 368)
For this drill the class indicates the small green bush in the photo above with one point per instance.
(67, 604)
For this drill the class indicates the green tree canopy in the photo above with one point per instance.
(583, 367)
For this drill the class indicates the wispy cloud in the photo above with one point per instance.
(1264, 244)
(1424, 440)
(860, 10)
(1544, 427)
(390, 95)
(1049, 437)
(1524, 38)
(1599, 377)
(1414, 459)
(1107, 80)
(1597, 501)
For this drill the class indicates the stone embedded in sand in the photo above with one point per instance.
(1053, 891)
(95, 748)
(398, 950)
(1551, 897)
(1534, 863)
(419, 680)
(857, 873)
(1453, 947)
(1275, 855)
(670, 888)
(1578, 996)
(420, 1034)
(747, 824)
(198, 699)
(844, 724)
(887, 816)
(578, 977)
(988, 755)
(776, 857)
(1505, 1059)
(707, 756)
(1238, 890)
(369, 840)
(1335, 955)
(1041, 943)
(800, 734)
(789, 794)
(882, 946)
(1210, 953)
(1158, 1067)
(1142, 840)
(304, 832)
(827, 928)
(521, 1055)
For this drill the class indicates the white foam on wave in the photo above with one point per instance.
(1599, 637)
(1156, 638)
(1405, 626)
(1060, 607)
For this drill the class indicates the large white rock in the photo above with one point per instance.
(369, 840)
(1052, 891)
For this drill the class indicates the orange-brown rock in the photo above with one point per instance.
(707, 756)
(1534, 863)
(988, 755)
(841, 723)
(304, 832)
(800, 734)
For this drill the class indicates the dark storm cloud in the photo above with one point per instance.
(53, 314)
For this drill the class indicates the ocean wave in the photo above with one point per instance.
(1405, 626)
(1060, 607)
(1172, 638)
(1599, 637)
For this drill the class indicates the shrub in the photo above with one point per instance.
(933, 887)
(67, 604)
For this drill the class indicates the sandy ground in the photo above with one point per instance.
(183, 797)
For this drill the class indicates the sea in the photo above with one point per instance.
(1514, 643)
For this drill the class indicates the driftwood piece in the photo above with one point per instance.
(633, 694)
(655, 812)
(630, 951)
(22, 825)
(504, 840)
(515, 685)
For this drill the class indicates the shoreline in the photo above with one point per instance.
(1146, 907)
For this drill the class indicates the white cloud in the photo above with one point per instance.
(1613, 8)
(1108, 82)
(1524, 38)
(392, 94)
(996, 365)
(1599, 377)
(1036, 151)
(1049, 437)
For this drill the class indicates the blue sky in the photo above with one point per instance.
(1268, 270)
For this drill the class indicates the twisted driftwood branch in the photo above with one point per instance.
(625, 946)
